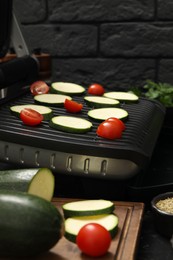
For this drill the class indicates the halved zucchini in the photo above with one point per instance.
(95, 101)
(105, 113)
(73, 225)
(70, 124)
(88, 208)
(51, 99)
(67, 88)
(42, 184)
(30, 226)
(45, 111)
(122, 96)
(38, 182)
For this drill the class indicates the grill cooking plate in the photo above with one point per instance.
(82, 154)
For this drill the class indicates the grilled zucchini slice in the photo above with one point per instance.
(71, 124)
(122, 96)
(101, 114)
(45, 111)
(67, 88)
(51, 99)
(98, 102)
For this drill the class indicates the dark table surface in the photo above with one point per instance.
(152, 246)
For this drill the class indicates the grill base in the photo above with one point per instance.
(65, 163)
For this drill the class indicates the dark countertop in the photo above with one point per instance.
(152, 246)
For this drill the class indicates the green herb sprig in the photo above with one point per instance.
(162, 92)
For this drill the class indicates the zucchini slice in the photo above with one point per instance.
(70, 124)
(88, 208)
(73, 225)
(67, 88)
(38, 182)
(105, 113)
(122, 96)
(51, 99)
(45, 111)
(98, 102)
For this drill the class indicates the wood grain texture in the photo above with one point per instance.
(123, 246)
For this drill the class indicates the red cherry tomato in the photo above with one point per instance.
(109, 130)
(117, 121)
(30, 117)
(96, 89)
(39, 87)
(72, 106)
(93, 239)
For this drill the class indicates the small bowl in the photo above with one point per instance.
(162, 219)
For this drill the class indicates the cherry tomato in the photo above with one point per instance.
(96, 89)
(109, 130)
(93, 239)
(30, 117)
(39, 87)
(117, 121)
(72, 106)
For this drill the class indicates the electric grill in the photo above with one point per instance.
(82, 154)
(69, 154)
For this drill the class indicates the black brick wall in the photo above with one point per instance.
(118, 43)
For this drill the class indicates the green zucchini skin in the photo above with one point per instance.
(29, 225)
(45, 99)
(125, 97)
(73, 211)
(15, 110)
(66, 88)
(99, 102)
(100, 117)
(24, 179)
(40, 182)
(18, 179)
(70, 129)
(72, 234)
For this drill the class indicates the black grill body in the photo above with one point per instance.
(82, 154)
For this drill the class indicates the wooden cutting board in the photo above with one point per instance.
(123, 246)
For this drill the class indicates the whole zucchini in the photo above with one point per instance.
(29, 225)
(38, 182)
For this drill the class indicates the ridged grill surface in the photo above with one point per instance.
(137, 143)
